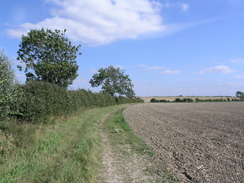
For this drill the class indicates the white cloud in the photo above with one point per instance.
(93, 71)
(221, 69)
(147, 67)
(238, 61)
(119, 66)
(171, 72)
(100, 22)
(155, 68)
(143, 65)
(239, 77)
(184, 7)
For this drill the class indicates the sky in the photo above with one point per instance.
(167, 47)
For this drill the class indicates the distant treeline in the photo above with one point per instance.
(195, 100)
(38, 101)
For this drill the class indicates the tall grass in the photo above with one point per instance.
(66, 151)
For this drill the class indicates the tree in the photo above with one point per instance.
(113, 81)
(49, 56)
(240, 94)
(6, 85)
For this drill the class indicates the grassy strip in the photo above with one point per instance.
(121, 135)
(67, 151)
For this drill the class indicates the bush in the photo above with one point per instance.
(42, 100)
(184, 100)
(178, 100)
(124, 100)
(188, 100)
(153, 100)
(6, 86)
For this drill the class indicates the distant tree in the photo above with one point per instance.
(114, 81)
(49, 56)
(240, 94)
(6, 85)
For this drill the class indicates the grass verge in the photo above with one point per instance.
(67, 151)
(121, 134)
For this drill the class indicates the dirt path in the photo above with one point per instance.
(198, 142)
(120, 164)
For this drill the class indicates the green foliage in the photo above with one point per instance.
(43, 100)
(240, 95)
(125, 100)
(213, 100)
(155, 100)
(113, 81)
(7, 88)
(49, 57)
(178, 100)
(188, 100)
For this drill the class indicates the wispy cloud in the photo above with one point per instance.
(147, 67)
(219, 69)
(100, 22)
(171, 72)
(119, 66)
(93, 71)
(184, 7)
(239, 77)
(238, 61)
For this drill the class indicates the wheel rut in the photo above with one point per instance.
(119, 163)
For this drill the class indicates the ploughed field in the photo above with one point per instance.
(197, 142)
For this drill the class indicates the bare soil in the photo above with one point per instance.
(197, 142)
(120, 164)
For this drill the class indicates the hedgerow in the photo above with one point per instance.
(42, 100)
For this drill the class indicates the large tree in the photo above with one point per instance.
(6, 85)
(113, 81)
(240, 94)
(49, 56)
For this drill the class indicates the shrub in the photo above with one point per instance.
(197, 100)
(153, 100)
(42, 100)
(124, 100)
(189, 100)
(178, 100)
(6, 86)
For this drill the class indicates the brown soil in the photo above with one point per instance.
(197, 142)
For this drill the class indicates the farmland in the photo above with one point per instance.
(172, 98)
(197, 142)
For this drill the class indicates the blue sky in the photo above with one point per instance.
(168, 47)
